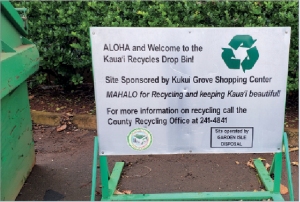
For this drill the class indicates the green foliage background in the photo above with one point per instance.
(61, 29)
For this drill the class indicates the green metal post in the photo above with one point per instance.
(272, 167)
(104, 176)
(277, 174)
(94, 169)
(288, 166)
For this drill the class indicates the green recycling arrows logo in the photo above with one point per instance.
(244, 41)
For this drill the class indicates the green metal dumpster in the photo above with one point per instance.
(19, 60)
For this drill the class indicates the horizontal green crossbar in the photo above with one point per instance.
(202, 196)
(278, 197)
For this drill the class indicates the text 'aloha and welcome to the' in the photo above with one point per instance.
(150, 48)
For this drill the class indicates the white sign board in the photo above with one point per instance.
(190, 90)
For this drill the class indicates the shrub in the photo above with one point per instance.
(61, 29)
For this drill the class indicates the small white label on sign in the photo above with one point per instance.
(223, 137)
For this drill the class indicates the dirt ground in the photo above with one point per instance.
(63, 170)
(55, 99)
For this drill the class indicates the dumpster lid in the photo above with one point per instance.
(13, 16)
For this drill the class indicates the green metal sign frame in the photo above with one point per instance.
(109, 183)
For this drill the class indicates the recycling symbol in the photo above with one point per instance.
(244, 41)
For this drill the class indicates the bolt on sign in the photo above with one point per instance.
(190, 90)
